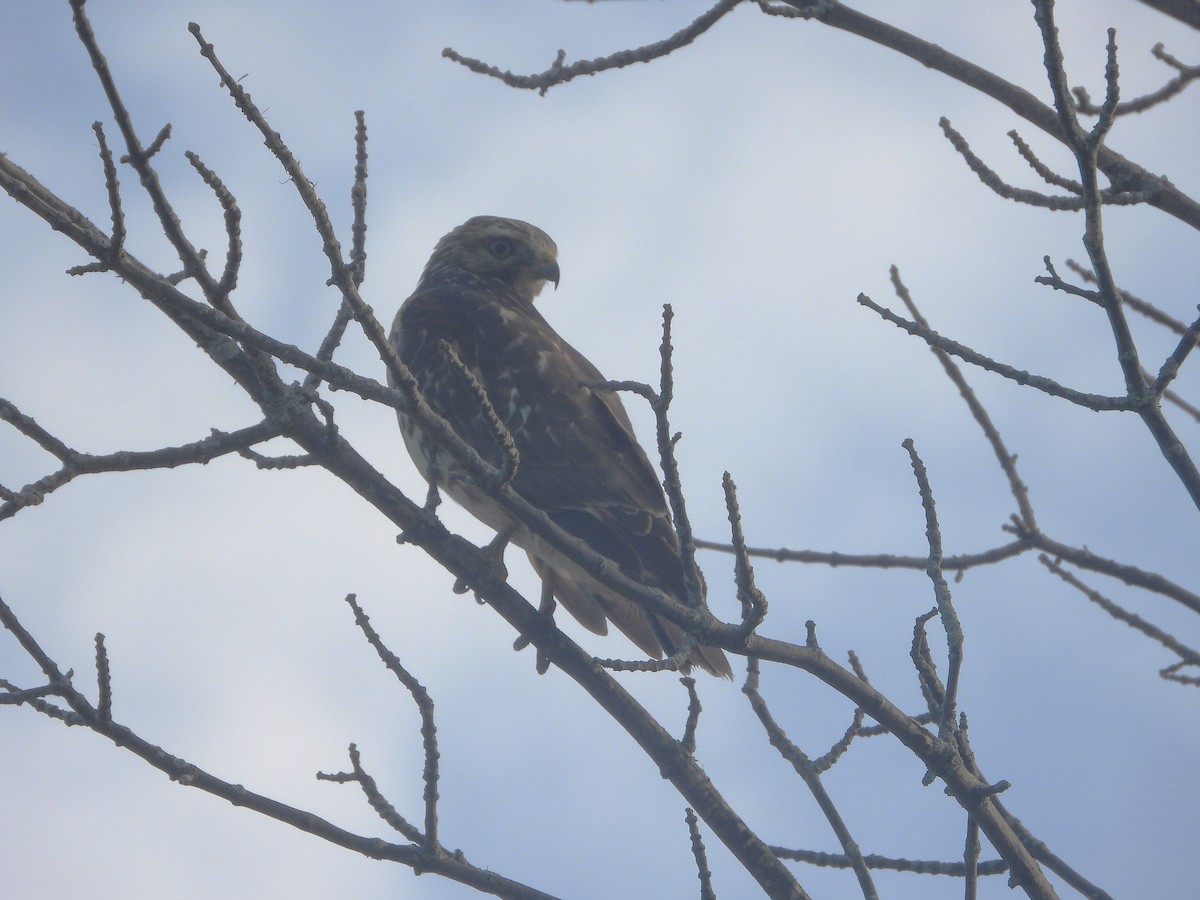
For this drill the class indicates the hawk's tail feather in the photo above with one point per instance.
(654, 636)
(580, 603)
(711, 659)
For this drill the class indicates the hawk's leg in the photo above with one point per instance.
(494, 553)
(546, 608)
(433, 498)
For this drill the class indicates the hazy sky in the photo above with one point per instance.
(757, 181)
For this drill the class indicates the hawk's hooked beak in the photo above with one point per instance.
(549, 271)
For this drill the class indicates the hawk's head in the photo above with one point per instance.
(517, 254)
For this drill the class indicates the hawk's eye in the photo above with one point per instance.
(500, 247)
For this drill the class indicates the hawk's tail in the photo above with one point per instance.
(592, 605)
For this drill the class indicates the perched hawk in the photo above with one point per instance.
(579, 461)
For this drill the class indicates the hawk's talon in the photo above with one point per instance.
(545, 611)
(493, 552)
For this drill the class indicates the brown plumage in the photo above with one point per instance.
(579, 460)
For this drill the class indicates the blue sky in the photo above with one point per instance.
(757, 181)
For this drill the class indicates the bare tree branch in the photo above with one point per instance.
(74, 463)
(560, 72)
(1187, 74)
(298, 413)
(97, 719)
(1185, 11)
(1186, 654)
(1096, 402)
(702, 871)
(812, 779)
(424, 705)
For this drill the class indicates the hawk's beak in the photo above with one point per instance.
(549, 271)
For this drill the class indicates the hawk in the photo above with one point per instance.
(579, 461)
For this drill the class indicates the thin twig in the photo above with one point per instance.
(510, 459)
(693, 717)
(75, 463)
(1185, 653)
(103, 681)
(660, 404)
(383, 808)
(1187, 74)
(701, 857)
(113, 185)
(960, 562)
(1131, 575)
(1170, 367)
(1044, 172)
(560, 73)
(971, 860)
(672, 483)
(811, 777)
(424, 706)
(1137, 304)
(997, 184)
(358, 200)
(754, 604)
(932, 689)
(1007, 461)
(233, 231)
(941, 593)
(139, 157)
(1096, 402)
(874, 861)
